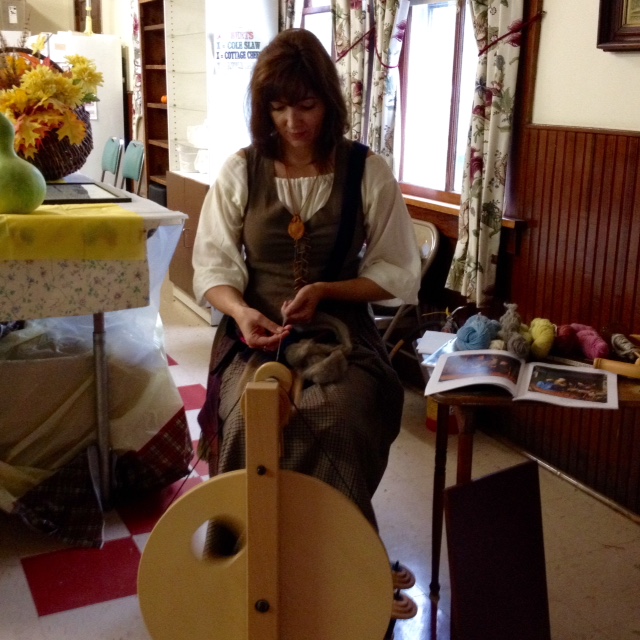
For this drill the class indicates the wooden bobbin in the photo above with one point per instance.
(621, 368)
(283, 376)
(276, 371)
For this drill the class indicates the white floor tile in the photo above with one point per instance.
(114, 620)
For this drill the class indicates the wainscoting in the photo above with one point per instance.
(574, 257)
(578, 191)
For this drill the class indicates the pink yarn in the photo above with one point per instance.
(592, 344)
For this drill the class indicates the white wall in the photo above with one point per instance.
(578, 84)
(227, 86)
(117, 19)
(50, 15)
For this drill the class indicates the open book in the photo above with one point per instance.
(562, 385)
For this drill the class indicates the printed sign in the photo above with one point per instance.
(236, 50)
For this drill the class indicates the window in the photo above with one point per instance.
(437, 82)
(317, 18)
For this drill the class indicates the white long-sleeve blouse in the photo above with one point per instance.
(391, 258)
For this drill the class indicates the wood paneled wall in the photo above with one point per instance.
(579, 192)
(578, 261)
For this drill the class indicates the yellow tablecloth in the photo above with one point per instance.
(73, 232)
(75, 259)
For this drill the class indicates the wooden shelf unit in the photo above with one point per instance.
(154, 88)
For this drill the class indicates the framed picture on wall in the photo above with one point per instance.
(619, 25)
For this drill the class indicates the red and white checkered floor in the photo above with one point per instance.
(49, 591)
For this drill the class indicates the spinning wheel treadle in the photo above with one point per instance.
(307, 563)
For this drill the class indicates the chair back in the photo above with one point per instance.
(388, 314)
(428, 241)
(133, 163)
(111, 156)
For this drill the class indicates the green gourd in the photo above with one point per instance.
(22, 186)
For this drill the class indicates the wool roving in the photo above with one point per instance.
(476, 333)
(543, 334)
(320, 362)
(591, 342)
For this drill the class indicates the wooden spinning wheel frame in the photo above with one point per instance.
(307, 564)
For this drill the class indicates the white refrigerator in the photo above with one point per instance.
(107, 115)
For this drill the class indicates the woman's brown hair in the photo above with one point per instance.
(292, 66)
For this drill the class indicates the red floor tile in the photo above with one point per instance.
(193, 396)
(171, 361)
(72, 578)
(141, 516)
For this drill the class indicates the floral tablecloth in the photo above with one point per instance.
(48, 434)
(56, 278)
(55, 288)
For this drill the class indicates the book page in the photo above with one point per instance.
(483, 366)
(431, 341)
(569, 386)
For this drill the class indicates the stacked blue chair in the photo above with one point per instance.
(111, 156)
(133, 164)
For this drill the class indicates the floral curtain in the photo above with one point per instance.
(351, 21)
(497, 26)
(391, 23)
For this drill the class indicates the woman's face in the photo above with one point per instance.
(299, 125)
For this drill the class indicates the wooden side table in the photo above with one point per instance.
(466, 403)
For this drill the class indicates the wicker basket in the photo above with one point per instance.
(58, 158)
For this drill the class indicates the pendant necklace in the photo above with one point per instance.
(296, 226)
(297, 230)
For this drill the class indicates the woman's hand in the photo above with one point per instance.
(258, 331)
(302, 308)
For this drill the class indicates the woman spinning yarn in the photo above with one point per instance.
(301, 231)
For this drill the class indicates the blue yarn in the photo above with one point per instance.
(476, 333)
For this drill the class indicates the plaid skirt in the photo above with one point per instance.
(341, 432)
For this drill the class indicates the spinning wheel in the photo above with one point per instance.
(306, 563)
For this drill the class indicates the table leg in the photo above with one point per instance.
(466, 427)
(439, 477)
(102, 409)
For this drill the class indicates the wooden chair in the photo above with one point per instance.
(496, 557)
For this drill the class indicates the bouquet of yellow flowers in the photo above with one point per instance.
(40, 98)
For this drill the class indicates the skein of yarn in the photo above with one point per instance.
(543, 333)
(476, 333)
(518, 345)
(624, 347)
(591, 342)
(513, 339)
(566, 342)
